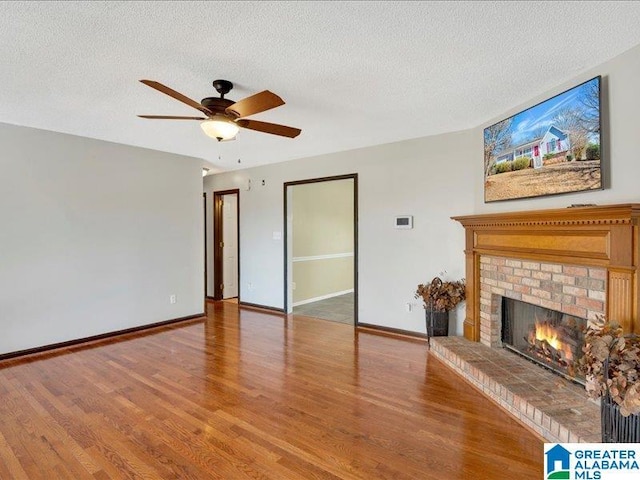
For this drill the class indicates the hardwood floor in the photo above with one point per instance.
(251, 395)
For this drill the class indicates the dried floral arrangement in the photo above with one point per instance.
(441, 296)
(610, 363)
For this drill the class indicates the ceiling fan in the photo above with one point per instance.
(223, 116)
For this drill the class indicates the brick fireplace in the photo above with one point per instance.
(576, 290)
(581, 261)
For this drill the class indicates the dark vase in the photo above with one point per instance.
(615, 427)
(437, 323)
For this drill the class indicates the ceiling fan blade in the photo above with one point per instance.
(177, 95)
(170, 117)
(272, 128)
(260, 102)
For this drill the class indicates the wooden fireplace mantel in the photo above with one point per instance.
(602, 236)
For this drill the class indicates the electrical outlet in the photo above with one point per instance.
(249, 286)
(293, 285)
(173, 299)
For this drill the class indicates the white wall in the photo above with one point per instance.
(94, 237)
(431, 178)
(421, 177)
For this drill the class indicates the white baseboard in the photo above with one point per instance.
(322, 297)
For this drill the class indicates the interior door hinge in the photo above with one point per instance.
(221, 244)
(222, 286)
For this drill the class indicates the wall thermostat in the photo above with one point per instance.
(404, 221)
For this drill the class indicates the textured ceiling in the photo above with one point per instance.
(353, 74)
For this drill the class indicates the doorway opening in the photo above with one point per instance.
(226, 238)
(321, 248)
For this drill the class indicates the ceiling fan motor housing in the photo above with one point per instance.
(216, 104)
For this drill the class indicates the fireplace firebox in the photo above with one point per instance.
(550, 338)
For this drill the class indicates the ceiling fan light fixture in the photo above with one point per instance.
(220, 128)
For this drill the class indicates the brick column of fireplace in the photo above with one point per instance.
(582, 261)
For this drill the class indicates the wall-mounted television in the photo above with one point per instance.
(548, 149)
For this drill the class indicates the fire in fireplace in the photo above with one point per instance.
(550, 338)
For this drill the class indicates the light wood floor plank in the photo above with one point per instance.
(252, 395)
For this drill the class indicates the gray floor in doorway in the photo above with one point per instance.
(337, 309)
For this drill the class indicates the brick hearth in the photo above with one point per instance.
(555, 408)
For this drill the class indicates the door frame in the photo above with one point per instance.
(206, 290)
(354, 177)
(218, 260)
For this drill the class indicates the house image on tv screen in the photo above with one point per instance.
(554, 142)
